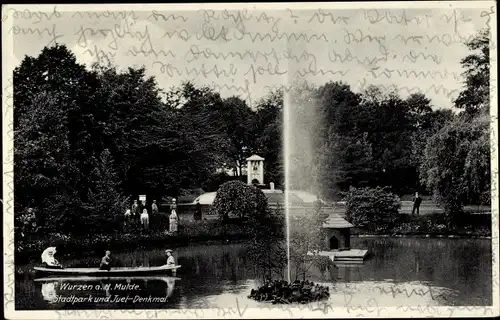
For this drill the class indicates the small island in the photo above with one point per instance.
(280, 291)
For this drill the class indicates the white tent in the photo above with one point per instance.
(206, 198)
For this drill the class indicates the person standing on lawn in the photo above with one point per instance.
(173, 218)
(154, 207)
(417, 200)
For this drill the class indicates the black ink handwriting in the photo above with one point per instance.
(158, 16)
(34, 16)
(239, 16)
(194, 53)
(456, 19)
(151, 52)
(322, 16)
(210, 33)
(36, 31)
(348, 56)
(205, 71)
(413, 57)
(238, 35)
(374, 16)
(117, 15)
(183, 34)
(270, 69)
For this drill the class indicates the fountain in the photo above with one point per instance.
(301, 118)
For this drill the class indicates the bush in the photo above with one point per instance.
(236, 200)
(372, 208)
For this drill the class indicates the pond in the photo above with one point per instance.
(402, 271)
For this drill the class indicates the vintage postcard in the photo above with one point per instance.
(252, 160)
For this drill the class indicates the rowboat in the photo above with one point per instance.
(70, 278)
(105, 273)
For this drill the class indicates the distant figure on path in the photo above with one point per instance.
(154, 207)
(318, 204)
(135, 210)
(197, 212)
(127, 216)
(142, 206)
(173, 219)
(145, 219)
(106, 262)
(416, 204)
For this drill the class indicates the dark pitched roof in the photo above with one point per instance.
(335, 221)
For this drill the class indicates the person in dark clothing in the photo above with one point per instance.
(416, 204)
(197, 212)
(106, 262)
(318, 204)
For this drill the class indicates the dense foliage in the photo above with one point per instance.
(372, 208)
(456, 162)
(361, 140)
(237, 200)
(87, 140)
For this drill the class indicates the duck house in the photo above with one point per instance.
(337, 242)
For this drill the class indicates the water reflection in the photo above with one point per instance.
(408, 271)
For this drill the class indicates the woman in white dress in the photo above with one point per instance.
(173, 219)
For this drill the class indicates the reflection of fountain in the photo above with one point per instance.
(49, 291)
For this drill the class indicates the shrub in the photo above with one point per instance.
(236, 200)
(372, 208)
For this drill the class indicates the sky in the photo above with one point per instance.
(248, 52)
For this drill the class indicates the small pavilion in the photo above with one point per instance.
(337, 242)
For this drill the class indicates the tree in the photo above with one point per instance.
(457, 165)
(266, 249)
(372, 208)
(457, 157)
(268, 135)
(476, 95)
(56, 73)
(235, 199)
(238, 120)
(306, 239)
(44, 167)
(106, 203)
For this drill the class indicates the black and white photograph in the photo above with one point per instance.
(250, 160)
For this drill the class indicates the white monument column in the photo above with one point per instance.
(255, 169)
(249, 172)
(261, 172)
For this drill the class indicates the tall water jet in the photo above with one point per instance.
(286, 159)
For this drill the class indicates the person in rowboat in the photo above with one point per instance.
(48, 259)
(170, 258)
(106, 262)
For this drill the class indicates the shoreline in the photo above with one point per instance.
(426, 236)
(146, 241)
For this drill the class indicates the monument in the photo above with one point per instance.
(337, 242)
(255, 170)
